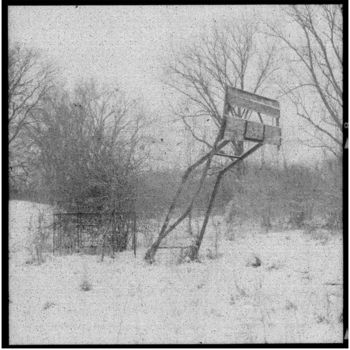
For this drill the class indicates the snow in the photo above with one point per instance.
(294, 296)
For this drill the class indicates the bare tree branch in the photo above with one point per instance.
(319, 54)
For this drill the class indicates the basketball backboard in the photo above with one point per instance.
(257, 103)
(245, 130)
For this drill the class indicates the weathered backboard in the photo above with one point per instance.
(257, 103)
(245, 130)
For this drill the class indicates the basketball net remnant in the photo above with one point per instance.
(235, 129)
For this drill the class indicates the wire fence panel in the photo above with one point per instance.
(92, 232)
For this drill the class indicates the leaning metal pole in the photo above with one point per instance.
(195, 248)
(165, 230)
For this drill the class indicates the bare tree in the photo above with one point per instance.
(314, 53)
(230, 56)
(87, 145)
(87, 139)
(29, 80)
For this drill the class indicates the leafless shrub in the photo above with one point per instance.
(217, 235)
(274, 266)
(210, 254)
(48, 305)
(253, 261)
(147, 230)
(183, 256)
(241, 292)
(85, 285)
(291, 306)
(39, 232)
(321, 235)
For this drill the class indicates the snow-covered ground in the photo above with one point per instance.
(295, 295)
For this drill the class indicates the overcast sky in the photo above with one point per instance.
(128, 45)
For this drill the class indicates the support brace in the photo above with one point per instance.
(195, 248)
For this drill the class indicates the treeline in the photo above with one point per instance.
(293, 194)
(86, 149)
